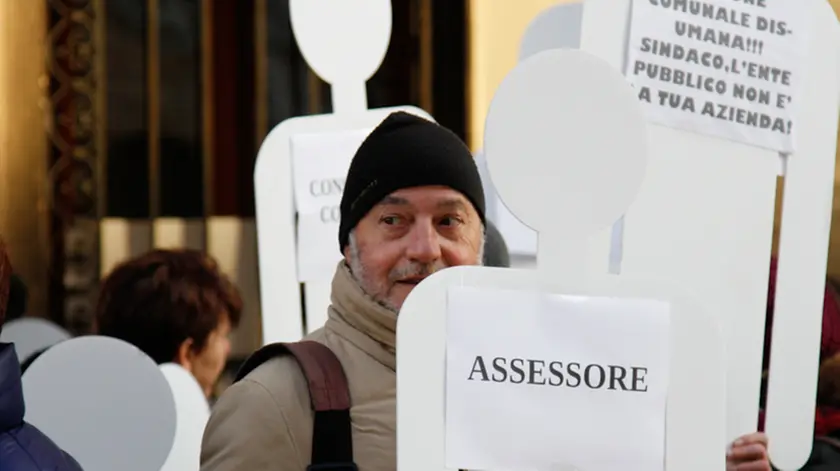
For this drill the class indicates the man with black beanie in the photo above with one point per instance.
(413, 204)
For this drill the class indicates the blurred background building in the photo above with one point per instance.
(132, 124)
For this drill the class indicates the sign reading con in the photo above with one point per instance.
(319, 164)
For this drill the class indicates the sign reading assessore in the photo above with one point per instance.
(545, 381)
(726, 68)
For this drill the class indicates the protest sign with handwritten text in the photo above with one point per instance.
(726, 68)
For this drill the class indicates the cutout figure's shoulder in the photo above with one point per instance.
(193, 411)
(32, 334)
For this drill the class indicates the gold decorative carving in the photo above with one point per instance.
(75, 52)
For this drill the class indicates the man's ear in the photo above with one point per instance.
(185, 355)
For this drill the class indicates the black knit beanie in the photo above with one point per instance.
(406, 151)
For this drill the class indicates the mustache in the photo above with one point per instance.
(414, 269)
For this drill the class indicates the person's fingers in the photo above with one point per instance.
(747, 453)
(753, 466)
(756, 437)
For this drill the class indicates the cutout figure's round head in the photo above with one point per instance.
(342, 40)
(566, 143)
(32, 334)
(554, 28)
(90, 391)
(412, 204)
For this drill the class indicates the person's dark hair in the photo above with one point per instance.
(495, 249)
(162, 298)
(18, 298)
(27, 362)
(5, 275)
(828, 387)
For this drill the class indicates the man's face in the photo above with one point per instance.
(409, 235)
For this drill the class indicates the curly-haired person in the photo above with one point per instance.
(174, 305)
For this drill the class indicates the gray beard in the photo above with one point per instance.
(360, 274)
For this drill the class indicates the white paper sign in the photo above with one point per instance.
(539, 381)
(725, 68)
(317, 246)
(319, 164)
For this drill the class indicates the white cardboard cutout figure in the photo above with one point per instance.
(193, 412)
(545, 133)
(32, 334)
(104, 402)
(344, 42)
(803, 248)
(705, 218)
(556, 27)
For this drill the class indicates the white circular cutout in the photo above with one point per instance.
(556, 27)
(193, 412)
(103, 401)
(31, 334)
(342, 40)
(565, 131)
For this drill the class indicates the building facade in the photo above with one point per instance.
(132, 124)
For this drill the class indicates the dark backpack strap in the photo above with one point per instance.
(830, 440)
(332, 440)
